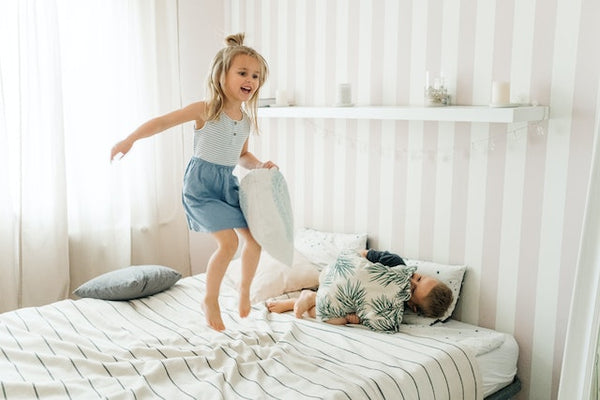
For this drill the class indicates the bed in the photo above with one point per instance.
(159, 347)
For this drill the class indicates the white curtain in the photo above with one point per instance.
(580, 358)
(75, 77)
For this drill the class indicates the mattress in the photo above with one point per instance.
(498, 361)
(160, 347)
(496, 352)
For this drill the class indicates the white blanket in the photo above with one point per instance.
(160, 347)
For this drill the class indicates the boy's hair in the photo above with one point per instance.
(220, 65)
(438, 300)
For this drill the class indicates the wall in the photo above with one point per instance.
(507, 200)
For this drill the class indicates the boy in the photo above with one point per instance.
(372, 290)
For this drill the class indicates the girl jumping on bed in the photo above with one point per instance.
(210, 190)
(371, 293)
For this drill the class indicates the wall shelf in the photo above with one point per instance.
(413, 113)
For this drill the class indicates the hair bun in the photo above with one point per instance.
(235, 40)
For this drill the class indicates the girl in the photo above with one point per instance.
(210, 190)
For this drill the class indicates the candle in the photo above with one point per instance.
(500, 93)
(344, 95)
(281, 98)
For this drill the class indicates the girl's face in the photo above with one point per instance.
(243, 78)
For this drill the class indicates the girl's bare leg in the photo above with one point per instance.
(250, 258)
(227, 243)
(280, 306)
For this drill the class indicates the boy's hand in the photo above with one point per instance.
(352, 319)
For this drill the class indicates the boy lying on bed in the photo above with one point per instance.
(371, 288)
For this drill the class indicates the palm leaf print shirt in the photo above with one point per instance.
(374, 292)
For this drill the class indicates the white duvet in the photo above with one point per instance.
(159, 347)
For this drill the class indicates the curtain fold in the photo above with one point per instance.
(75, 77)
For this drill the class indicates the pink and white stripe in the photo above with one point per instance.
(503, 199)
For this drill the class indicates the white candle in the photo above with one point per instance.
(500, 93)
(344, 94)
(281, 98)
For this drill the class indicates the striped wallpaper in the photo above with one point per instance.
(505, 199)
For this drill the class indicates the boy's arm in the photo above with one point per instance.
(385, 257)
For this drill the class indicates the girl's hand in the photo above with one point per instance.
(121, 148)
(268, 165)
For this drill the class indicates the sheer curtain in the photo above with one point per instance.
(580, 359)
(75, 77)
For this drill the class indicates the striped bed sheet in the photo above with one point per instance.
(160, 347)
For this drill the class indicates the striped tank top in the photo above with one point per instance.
(220, 141)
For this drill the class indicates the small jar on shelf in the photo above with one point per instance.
(436, 95)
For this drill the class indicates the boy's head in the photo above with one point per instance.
(429, 296)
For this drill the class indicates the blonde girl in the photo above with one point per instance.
(210, 190)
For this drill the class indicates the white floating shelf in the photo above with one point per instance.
(410, 113)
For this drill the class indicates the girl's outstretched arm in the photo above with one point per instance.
(192, 112)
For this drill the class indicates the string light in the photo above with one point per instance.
(515, 131)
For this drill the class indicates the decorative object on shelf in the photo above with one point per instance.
(266, 102)
(436, 95)
(500, 94)
(343, 96)
(281, 98)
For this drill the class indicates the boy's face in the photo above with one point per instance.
(420, 287)
(243, 78)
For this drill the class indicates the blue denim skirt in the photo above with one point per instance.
(211, 197)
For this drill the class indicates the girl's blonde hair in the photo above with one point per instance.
(216, 78)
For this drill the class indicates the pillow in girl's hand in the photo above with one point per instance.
(266, 204)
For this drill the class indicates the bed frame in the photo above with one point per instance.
(507, 392)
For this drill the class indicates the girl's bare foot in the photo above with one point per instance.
(305, 302)
(279, 306)
(212, 313)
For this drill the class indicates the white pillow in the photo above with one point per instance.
(274, 278)
(323, 248)
(265, 202)
(451, 275)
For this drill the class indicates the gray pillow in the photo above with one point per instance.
(129, 283)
